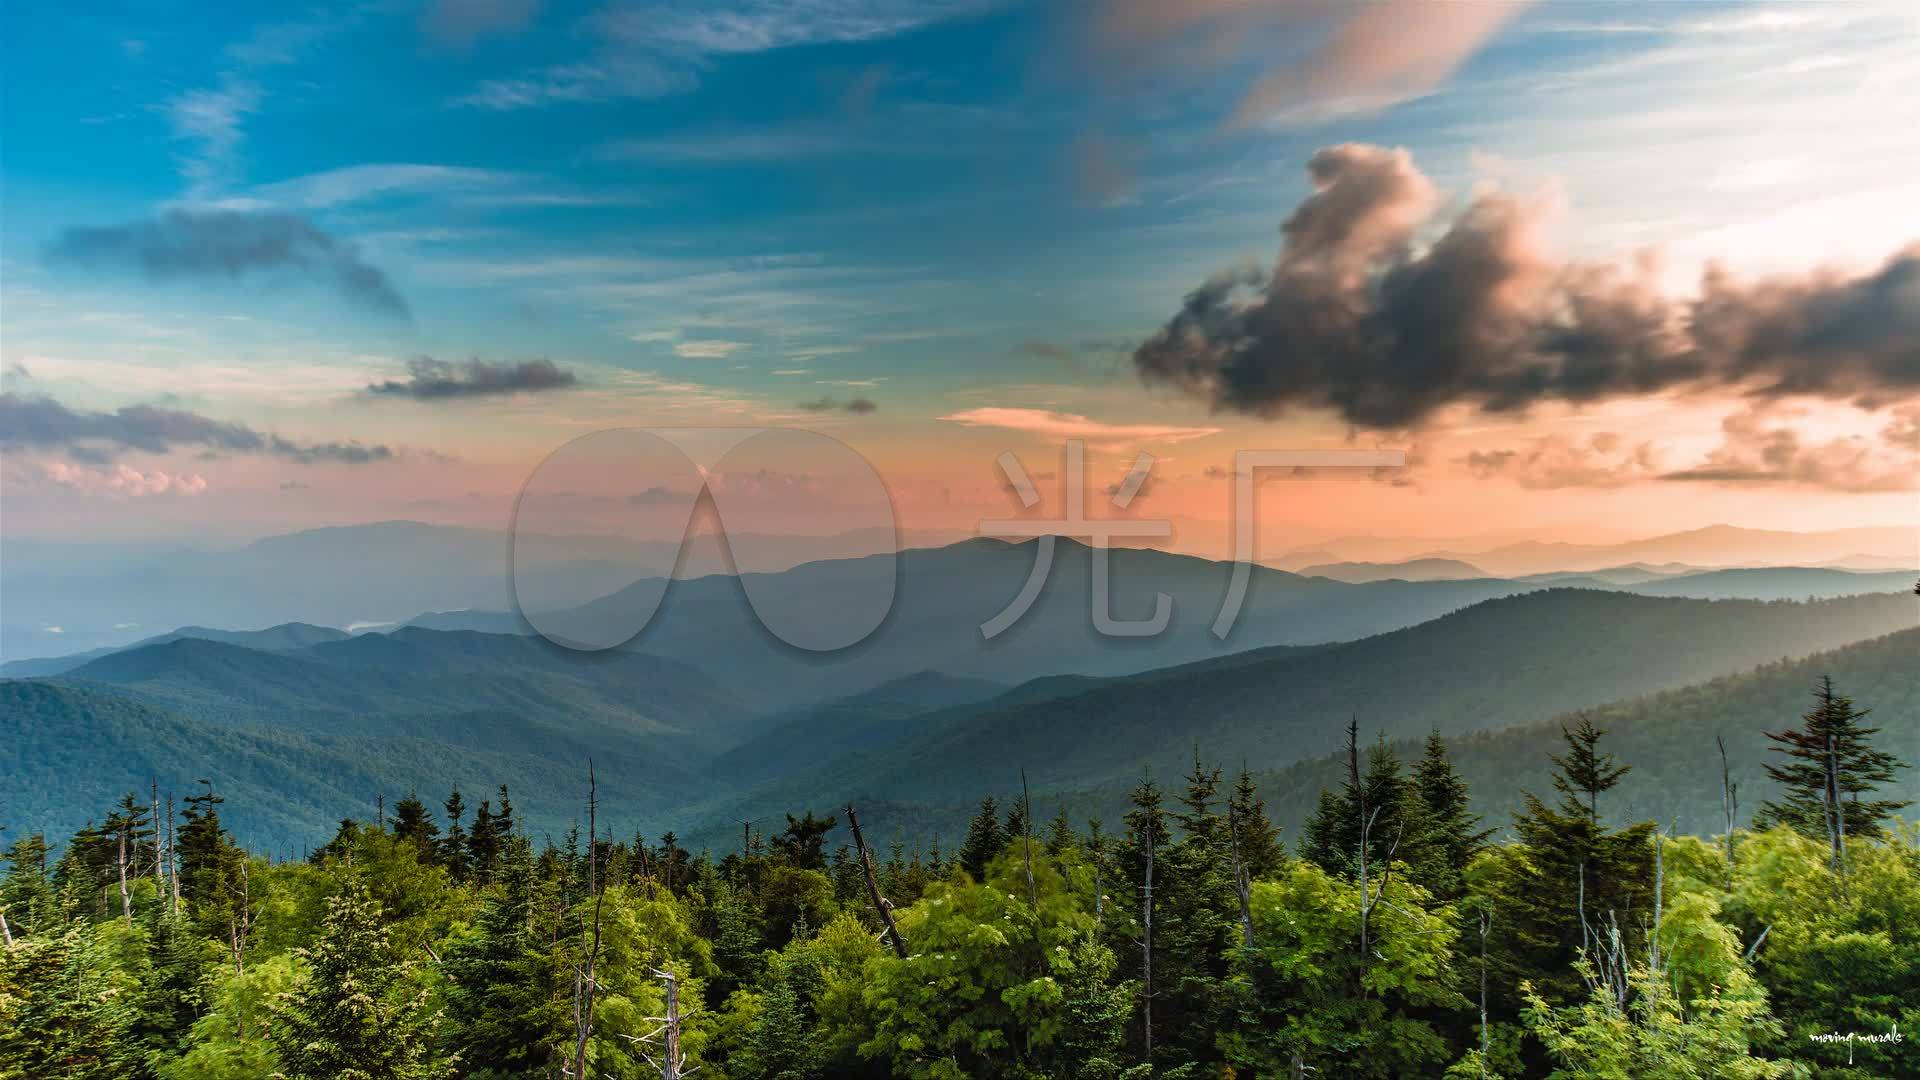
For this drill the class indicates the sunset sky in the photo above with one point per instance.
(1602, 270)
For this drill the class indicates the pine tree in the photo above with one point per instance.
(1452, 834)
(1377, 803)
(500, 984)
(985, 839)
(803, 845)
(453, 847)
(1833, 761)
(1569, 875)
(161, 1009)
(1583, 773)
(414, 824)
(1261, 852)
(357, 1016)
(1060, 838)
(27, 890)
(782, 1045)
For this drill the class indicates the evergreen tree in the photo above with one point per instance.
(413, 823)
(804, 843)
(500, 986)
(1583, 773)
(162, 1008)
(358, 1015)
(1060, 838)
(782, 1044)
(453, 847)
(1452, 834)
(985, 839)
(1568, 877)
(27, 890)
(1832, 761)
(1261, 852)
(1377, 803)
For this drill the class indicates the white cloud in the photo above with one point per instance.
(708, 350)
(123, 480)
(1058, 425)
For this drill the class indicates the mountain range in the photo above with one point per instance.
(704, 720)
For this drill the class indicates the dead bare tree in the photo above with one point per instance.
(583, 981)
(159, 876)
(1241, 885)
(1026, 836)
(880, 903)
(1729, 799)
(126, 897)
(173, 870)
(1486, 925)
(672, 1062)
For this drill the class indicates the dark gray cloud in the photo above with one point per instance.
(232, 245)
(1357, 318)
(858, 406)
(41, 423)
(437, 380)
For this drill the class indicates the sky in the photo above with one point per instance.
(1600, 270)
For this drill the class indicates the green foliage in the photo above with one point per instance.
(1305, 994)
(358, 1015)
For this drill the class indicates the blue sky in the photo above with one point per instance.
(731, 210)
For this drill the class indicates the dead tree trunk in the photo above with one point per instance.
(672, 1063)
(583, 984)
(1026, 836)
(159, 877)
(880, 903)
(173, 871)
(1729, 799)
(126, 898)
(1486, 924)
(1241, 886)
(6, 933)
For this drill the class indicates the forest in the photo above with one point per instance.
(1394, 936)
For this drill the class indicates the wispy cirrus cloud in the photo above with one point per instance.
(459, 23)
(1059, 425)
(96, 438)
(229, 245)
(654, 49)
(429, 379)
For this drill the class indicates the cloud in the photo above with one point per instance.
(123, 480)
(1604, 460)
(437, 380)
(1754, 450)
(459, 23)
(41, 423)
(355, 183)
(1356, 58)
(653, 48)
(211, 119)
(859, 406)
(1059, 425)
(1357, 318)
(231, 244)
(707, 350)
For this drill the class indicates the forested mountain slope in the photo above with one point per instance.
(1668, 739)
(1498, 664)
